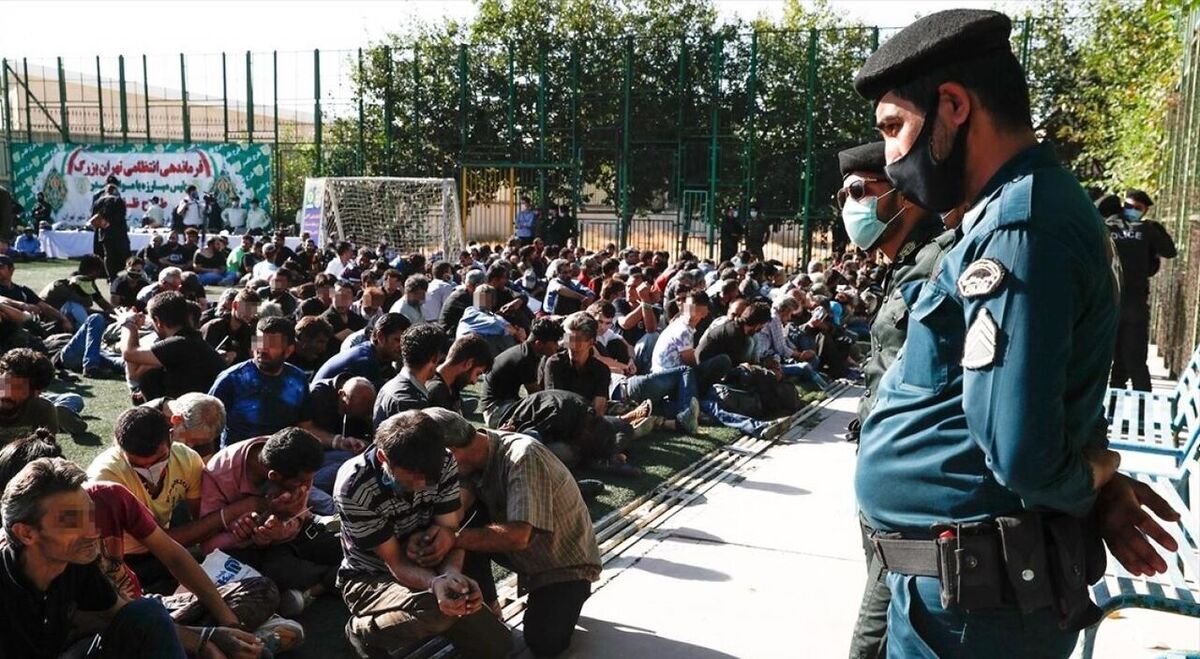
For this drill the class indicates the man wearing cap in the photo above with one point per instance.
(533, 521)
(1141, 243)
(993, 409)
(879, 217)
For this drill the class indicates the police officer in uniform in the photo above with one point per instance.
(878, 217)
(1141, 243)
(987, 435)
(111, 229)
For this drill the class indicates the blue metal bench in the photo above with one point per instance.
(1153, 422)
(1176, 591)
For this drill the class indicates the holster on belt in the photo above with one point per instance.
(970, 567)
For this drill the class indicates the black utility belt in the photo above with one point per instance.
(1030, 561)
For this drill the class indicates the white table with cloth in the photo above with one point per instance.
(66, 244)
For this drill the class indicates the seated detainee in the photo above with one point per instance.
(676, 346)
(480, 319)
(280, 539)
(340, 317)
(612, 350)
(370, 359)
(569, 426)
(232, 334)
(48, 557)
(518, 366)
(412, 303)
(244, 604)
(179, 361)
(575, 367)
(343, 407)
(468, 359)
(196, 420)
(734, 334)
(536, 522)
(406, 486)
(422, 350)
(24, 375)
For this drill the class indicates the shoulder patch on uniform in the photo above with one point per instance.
(980, 345)
(981, 277)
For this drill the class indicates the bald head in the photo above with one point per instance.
(357, 397)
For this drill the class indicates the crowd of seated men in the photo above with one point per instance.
(318, 431)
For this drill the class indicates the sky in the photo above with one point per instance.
(44, 28)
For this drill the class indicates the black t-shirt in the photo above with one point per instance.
(172, 254)
(282, 254)
(188, 251)
(216, 261)
(453, 309)
(33, 624)
(555, 415)
(188, 364)
(724, 338)
(635, 333)
(20, 294)
(127, 287)
(323, 404)
(218, 334)
(557, 372)
(512, 368)
(112, 209)
(442, 394)
(284, 299)
(352, 322)
(398, 395)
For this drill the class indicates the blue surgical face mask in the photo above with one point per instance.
(862, 222)
(390, 481)
(1132, 214)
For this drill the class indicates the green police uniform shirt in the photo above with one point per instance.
(999, 385)
(915, 261)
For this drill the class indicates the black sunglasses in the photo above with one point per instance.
(857, 190)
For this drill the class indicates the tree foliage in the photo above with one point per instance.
(545, 82)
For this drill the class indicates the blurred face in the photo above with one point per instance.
(697, 314)
(416, 297)
(389, 346)
(279, 282)
(313, 345)
(342, 299)
(579, 345)
(271, 351)
(14, 393)
(325, 294)
(604, 324)
(392, 283)
(408, 480)
(66, 531)
(245, 312)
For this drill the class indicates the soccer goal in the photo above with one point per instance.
(409, 214)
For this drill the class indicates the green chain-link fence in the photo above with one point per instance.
(1176, 301)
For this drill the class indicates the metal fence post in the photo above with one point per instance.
(714, 143)
(626, 127)
(123, 99)
(751, 116)
(100, 98)
(541, 108)
(187, 126)
(810, 92)
(362, 138)
(7, 112)
(62, 103)
(28, 102)
(575, 155)
(462, 106)
(146, 94)
(249, 99)
(317, 111)
(416, 110)
(512, 100)
(225, 96)
(683, 225)
(387, 110)
(278, 178)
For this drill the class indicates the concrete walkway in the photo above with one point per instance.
(771, 566)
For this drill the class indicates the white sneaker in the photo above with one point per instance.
(280, 634)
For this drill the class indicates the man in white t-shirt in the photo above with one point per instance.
(189, 208)
(234, 217)
(257, 219)
(153, 215)
(676, 345)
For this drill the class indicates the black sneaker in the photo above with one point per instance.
(590, 488)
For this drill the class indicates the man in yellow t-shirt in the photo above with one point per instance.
(163, 475)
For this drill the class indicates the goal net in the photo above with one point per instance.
(409, 214)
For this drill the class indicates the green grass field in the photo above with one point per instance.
(659, 455)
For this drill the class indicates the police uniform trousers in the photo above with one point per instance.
(1133, 341)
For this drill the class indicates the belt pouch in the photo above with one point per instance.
(1024, 548)
(978, 567)
(1067, 558)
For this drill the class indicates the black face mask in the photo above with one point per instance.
(935, 186)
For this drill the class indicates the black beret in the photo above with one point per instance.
(1139, 196)
(862, 158)
(947, 37)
